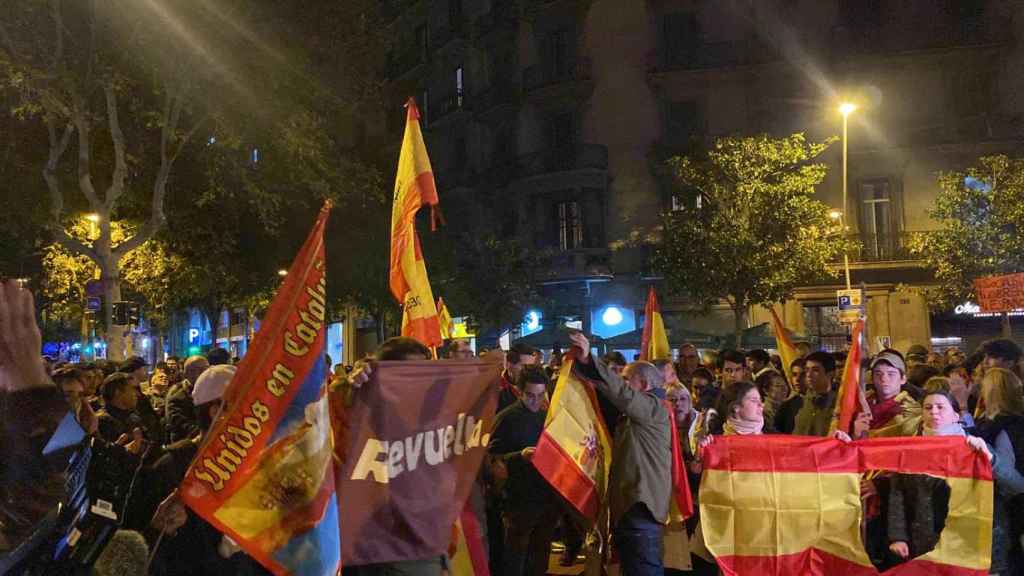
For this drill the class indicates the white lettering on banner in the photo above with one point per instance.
(967, 308)
(383, 460)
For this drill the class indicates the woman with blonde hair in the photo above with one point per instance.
(1002, 425)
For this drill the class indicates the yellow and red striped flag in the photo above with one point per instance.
(574, 453)
(414, 187)
(654, 342)
(445, 320)
(786, 349)
(848, 400)
(791, 504)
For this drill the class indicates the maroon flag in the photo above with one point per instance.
(418, 432)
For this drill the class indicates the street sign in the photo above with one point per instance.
(93, 304)
(851, 305)
(94, 288)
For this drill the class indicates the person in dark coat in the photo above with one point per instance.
(531, 511)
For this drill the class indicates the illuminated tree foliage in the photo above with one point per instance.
(980, 211)
(747, 228)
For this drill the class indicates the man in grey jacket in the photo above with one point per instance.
(641, 476)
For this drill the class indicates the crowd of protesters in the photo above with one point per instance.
(143, 426)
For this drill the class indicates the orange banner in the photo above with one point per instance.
(1000, 293)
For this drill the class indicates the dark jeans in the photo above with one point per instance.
(638, 538)
(528, 536)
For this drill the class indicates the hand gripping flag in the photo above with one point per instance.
(654, 341)
(265, 475)
(574, 453)
(786, 349)
(414, 187)
(791, 504)
(850, 392)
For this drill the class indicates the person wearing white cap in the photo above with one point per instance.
(191, 545)
(893, 411)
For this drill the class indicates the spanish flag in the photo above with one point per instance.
(265, 473)
(791, 504)
(786, 349)
(654, 342)
(414, 187)
(574, 453)
(850, 392)
(445, 320)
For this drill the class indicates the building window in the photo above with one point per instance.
(561, 130)
(683, 126)
(460, 157)
(860, 14)
(570, 225)
(459, 87)
(454, 12)
(680, 37)
(822, 326)
(558, 50)
(879, 222)
(422, 42)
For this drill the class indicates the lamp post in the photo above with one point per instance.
(846, 108)
(837, 215)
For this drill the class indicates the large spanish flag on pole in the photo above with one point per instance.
(265, 472)
(654, 342)
(791, 504)
(850, 393)
(786, 349)
(574, 453)
(414, 187)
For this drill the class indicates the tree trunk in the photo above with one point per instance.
(740, 316)
(213, 317)
(1007, 329)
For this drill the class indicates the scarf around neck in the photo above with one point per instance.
(954, 429)
(743, 427)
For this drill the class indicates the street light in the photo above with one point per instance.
(282, 272)
(92, 217)
(846, 108)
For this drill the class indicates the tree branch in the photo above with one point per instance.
(188, 135)
(84, 177)
(58, 25)
(57, 149)
(116, 188)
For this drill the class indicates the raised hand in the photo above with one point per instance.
(21, 365)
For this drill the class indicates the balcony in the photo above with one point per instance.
(711, 55)
(496, 97)
(874, 248)
(503, 16)
(564, 159)
(579, 264)
(553, 86)
(401, 63)
(959, 34)
(442, 36)
(444, 105)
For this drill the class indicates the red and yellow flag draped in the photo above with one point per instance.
(265, 472)
(786, 349)
(654, 342)
(791, 504)
(848, 400)
(574, 453)
(414, 187)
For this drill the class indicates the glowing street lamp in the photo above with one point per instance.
(846, 108)
(282, 273)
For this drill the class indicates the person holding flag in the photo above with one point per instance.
(647, 473)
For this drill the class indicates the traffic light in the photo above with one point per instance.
(121, 313)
